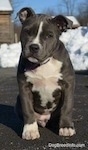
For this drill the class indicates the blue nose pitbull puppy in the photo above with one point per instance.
(45, 74)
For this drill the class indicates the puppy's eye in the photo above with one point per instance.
(49, 35)
(29, 32)
(26, 30)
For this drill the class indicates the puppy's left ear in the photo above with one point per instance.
(62, 22)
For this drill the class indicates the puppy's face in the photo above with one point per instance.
(40, 34)
(39, 38)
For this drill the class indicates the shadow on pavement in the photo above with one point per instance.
(82, 72)
(9, 119)
(86, 86)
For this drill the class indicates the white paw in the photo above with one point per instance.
(66, 132)
(30, 131)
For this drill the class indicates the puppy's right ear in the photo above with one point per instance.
(25, 13)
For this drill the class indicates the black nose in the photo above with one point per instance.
(34, 48)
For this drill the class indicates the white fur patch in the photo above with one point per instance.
(45, 79)
(37, 38)
(30, 131)
(66, 132)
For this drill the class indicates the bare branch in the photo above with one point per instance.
(69, 6)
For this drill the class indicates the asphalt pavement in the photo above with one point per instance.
(11, 126)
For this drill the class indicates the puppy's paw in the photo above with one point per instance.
(30, 131)
(66, 132)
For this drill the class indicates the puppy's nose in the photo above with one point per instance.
(34, 48)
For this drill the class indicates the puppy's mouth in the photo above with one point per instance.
(35, 60)
(32, 59)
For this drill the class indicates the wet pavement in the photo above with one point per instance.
(11, 126)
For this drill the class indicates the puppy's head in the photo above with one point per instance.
(40, 34)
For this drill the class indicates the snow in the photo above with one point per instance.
(75, 40)
(74, 20)
(5, 5)
(9, 55)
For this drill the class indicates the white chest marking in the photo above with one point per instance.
(45, 79)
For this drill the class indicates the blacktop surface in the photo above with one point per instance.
(11, 126)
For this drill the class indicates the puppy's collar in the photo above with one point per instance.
(45, 61)
(31, 65)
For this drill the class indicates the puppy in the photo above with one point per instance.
(45, 74)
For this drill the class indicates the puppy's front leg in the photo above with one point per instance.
(66, 124)
(30, 130)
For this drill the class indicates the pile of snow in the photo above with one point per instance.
(9, 55)
(76, 42)
(74, 20)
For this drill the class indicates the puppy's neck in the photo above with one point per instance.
(32, 66)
